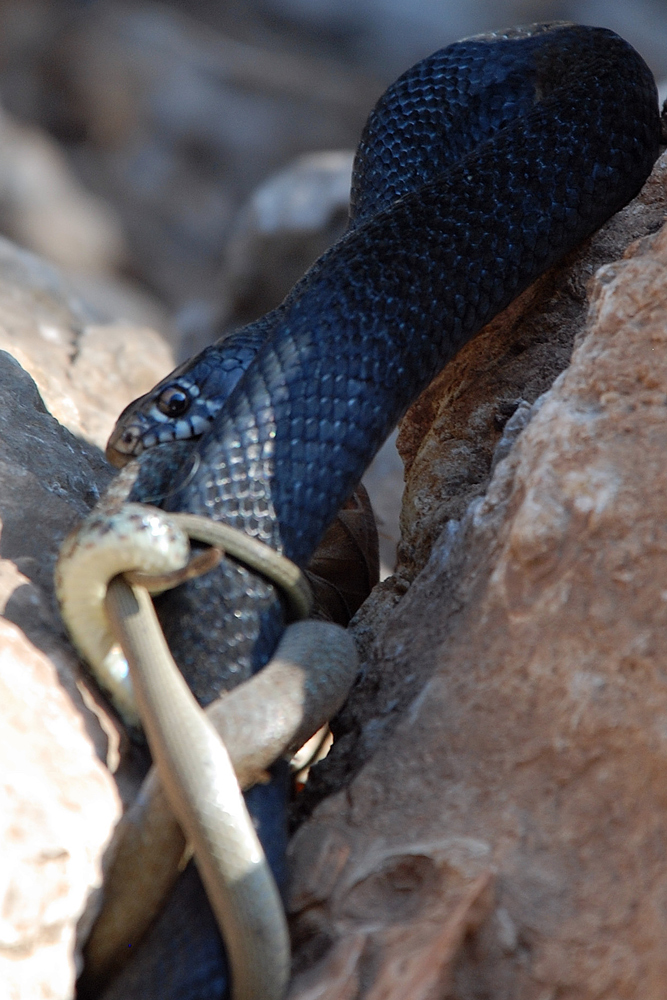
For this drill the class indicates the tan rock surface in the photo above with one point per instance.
(520, 801)
(58, 806)
(58, 799)
(87, 372)
(55, 739)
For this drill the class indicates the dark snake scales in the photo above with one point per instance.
(479, 168)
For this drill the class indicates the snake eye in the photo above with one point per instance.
(173, 401)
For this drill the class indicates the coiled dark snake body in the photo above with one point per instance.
(479, 168)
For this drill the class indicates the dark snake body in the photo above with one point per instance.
(480, 167)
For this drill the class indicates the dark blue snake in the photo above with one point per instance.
(479, 168)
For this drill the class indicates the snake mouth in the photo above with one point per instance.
(128, 442)
(121, 448)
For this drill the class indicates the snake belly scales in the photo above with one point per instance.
(479, 168)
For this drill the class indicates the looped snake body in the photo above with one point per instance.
(479, 168)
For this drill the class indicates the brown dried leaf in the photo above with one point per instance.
(346, 565)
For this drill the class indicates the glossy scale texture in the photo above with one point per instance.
(479, 168)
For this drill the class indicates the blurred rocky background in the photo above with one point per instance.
(140, 140)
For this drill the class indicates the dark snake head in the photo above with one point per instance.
(184, 404)
(173, 411)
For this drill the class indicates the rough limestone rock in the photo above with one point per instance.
(54, 745)
(57, 807)
(506, 839)
(59, 746)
